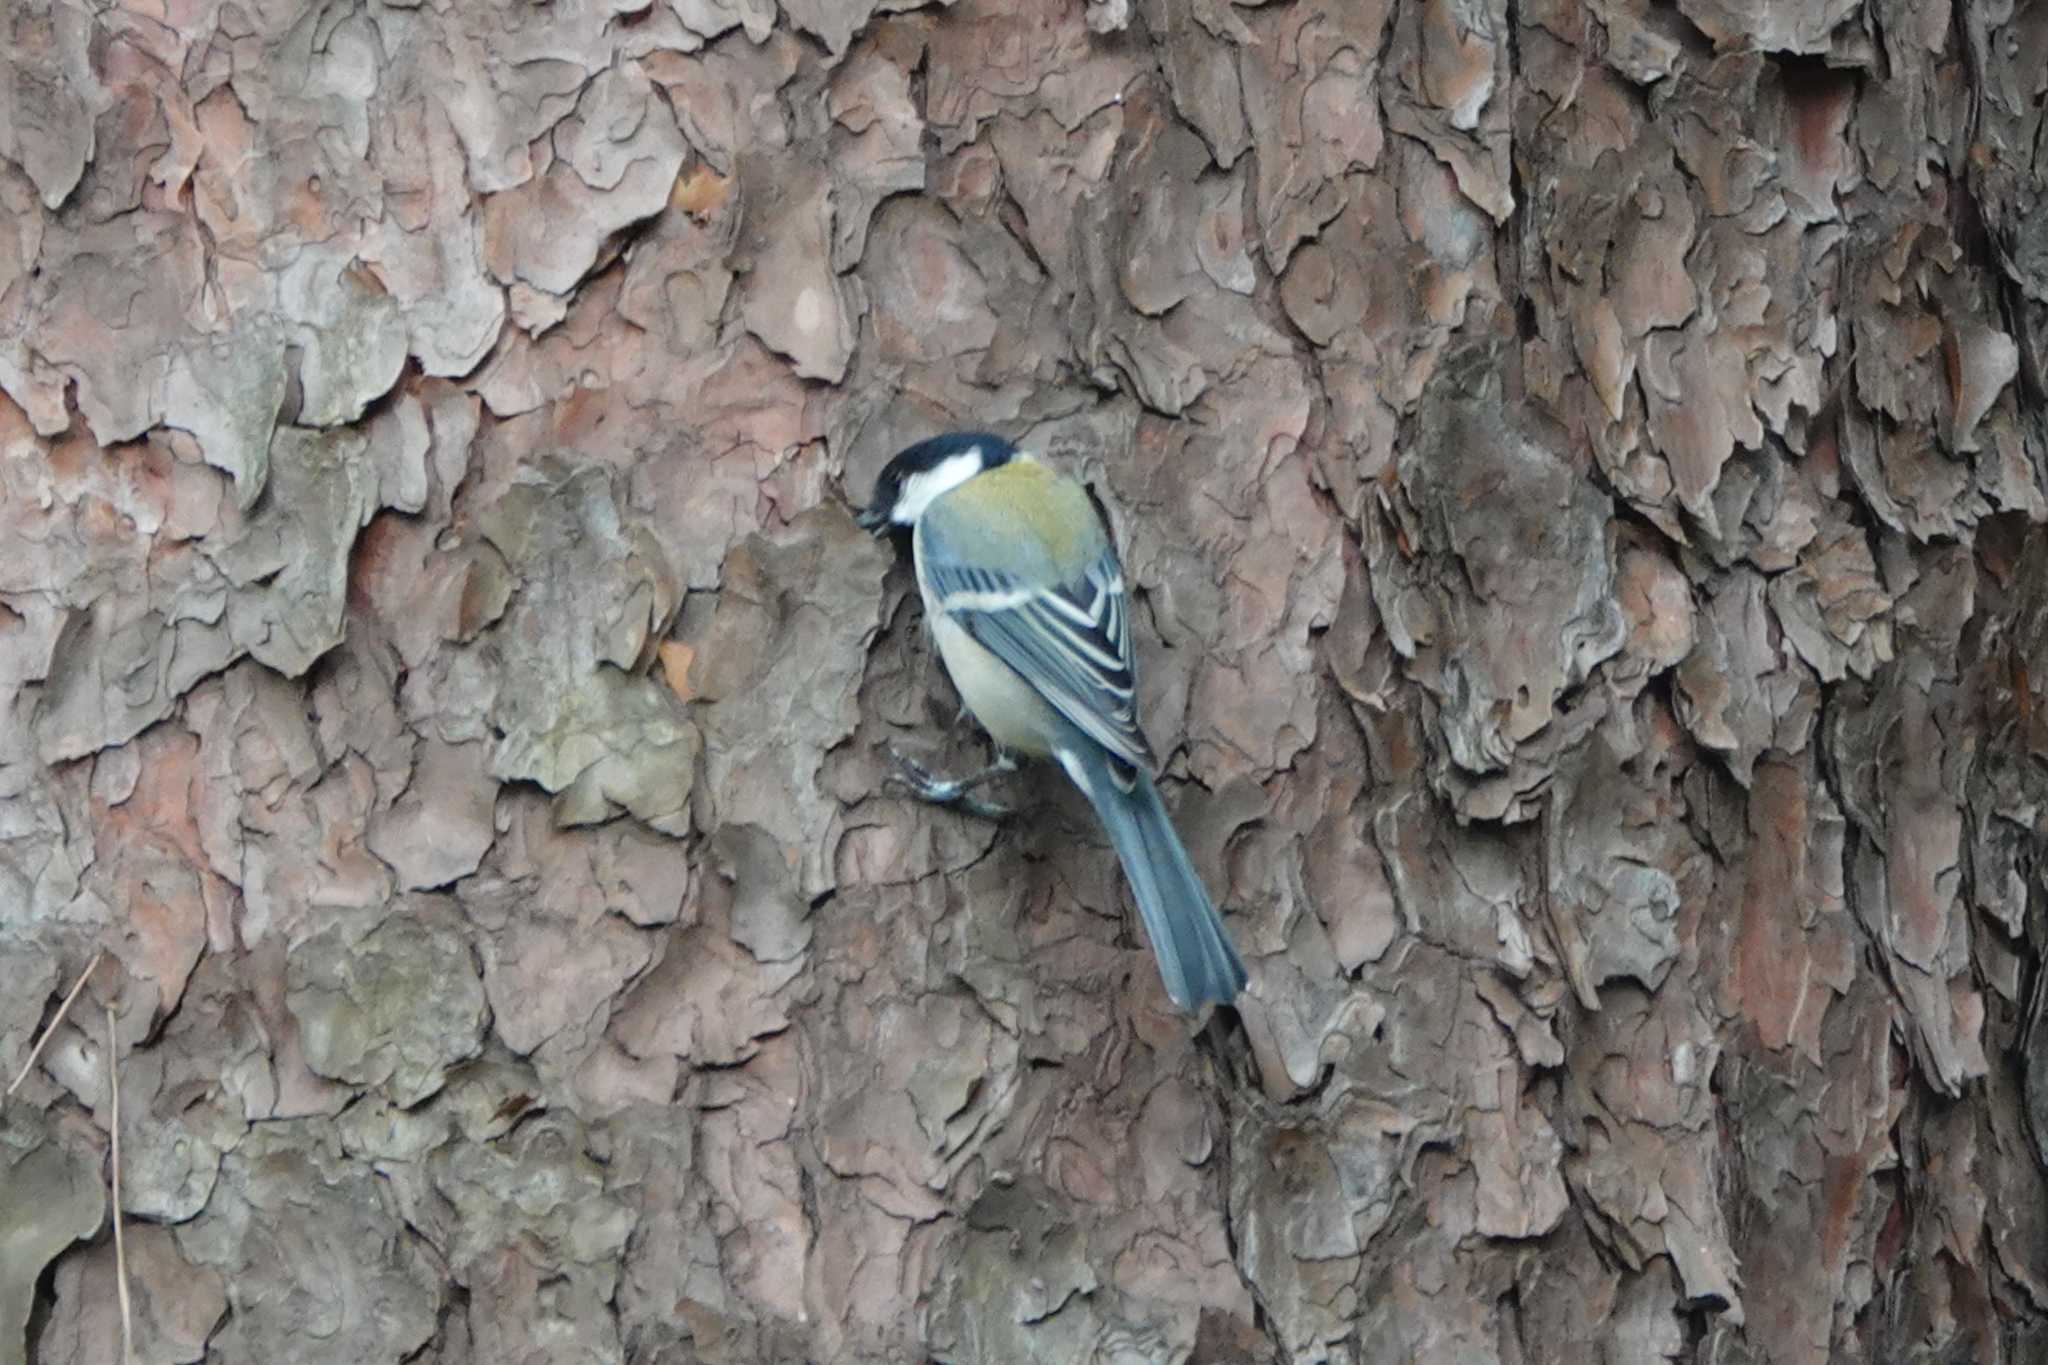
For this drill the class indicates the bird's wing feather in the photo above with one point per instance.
(1072, 643)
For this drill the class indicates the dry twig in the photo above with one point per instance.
(62, 1010)
(120, 1248)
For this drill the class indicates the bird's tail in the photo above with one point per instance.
(1196, 959)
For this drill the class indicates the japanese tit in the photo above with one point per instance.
(1023, 593)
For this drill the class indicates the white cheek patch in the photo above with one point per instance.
(919, 490)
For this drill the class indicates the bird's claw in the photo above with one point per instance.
(926, 785)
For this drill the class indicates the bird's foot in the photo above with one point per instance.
(927, 785)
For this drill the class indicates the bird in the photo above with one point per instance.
(1024, 597)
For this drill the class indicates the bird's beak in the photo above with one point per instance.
(873, 520)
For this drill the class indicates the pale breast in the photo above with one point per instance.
(1014, 715)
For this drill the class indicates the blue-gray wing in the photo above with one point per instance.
(1072, 643)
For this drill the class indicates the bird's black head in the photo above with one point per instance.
(919, 473)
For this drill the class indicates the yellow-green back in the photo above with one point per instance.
(1023, 517)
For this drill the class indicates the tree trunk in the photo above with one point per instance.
(1580, 473)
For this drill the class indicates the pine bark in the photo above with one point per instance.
(1580, 470)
